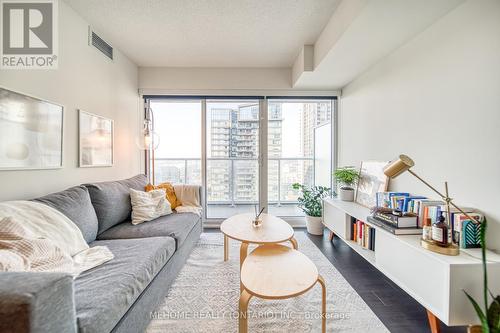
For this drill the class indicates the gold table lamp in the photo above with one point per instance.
(404, 163)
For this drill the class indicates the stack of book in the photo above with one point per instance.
(363, 234)
(463, 231)
(397, 225)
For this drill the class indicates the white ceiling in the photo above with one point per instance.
(376, 29)
(203, 33)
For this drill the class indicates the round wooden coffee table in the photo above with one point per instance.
(277, 272)
(239, 227)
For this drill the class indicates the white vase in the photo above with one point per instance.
(314, 225)
(346, 194)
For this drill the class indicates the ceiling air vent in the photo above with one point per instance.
(101, 44)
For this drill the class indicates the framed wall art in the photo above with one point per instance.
(31, 132)
(371, 180)
(95, 140)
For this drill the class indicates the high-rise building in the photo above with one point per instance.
(233, 168)
(235, 139)
(313, 115)
(221, 143)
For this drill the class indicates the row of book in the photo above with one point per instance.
(363, 234)
(463, 231)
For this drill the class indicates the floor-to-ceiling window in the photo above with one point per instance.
(178, 156)
(292, 127)
(217, 143)
(232, 139)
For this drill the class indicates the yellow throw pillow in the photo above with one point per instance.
(169, 190)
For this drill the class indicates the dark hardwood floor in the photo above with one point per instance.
(395, 308)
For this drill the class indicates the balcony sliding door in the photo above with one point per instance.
(245, 152)
(232, 139)
(292, 124)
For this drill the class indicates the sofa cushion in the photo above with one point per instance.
(176, 225)
(111, 200)
(105, 293)
(76, 205)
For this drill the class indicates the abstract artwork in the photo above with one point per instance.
(371, 180)
(96, 140)
(31, 132)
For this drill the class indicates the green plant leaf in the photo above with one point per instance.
(311, 200)
(347, 176)
(480, 313)
(482, 234)
(493, 314)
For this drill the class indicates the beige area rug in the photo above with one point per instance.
(204, 297)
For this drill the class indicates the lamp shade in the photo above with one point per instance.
(401, 164)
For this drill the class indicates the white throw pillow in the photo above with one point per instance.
(147, 206)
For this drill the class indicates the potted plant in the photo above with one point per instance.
(490, 318)
(311, 204)
(346, 178)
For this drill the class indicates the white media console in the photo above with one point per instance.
(436, 281)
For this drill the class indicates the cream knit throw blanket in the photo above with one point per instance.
(189, 196)
(36, 237)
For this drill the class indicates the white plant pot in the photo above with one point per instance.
(314, 225)
(346, 194)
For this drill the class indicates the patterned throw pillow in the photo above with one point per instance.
(170, 193)
(147, 206)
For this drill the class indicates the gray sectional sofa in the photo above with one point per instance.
(117, 296)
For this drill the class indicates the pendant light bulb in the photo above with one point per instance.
(148, 139)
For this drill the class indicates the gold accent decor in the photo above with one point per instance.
(404, 163)
(397, 167)
(474, 329)
(450, 250)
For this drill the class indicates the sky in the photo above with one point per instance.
(179, 126)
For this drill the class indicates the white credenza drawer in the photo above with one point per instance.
(335, 220)
(435, 281)
(420, 276)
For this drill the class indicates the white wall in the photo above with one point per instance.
(221, 81)
(437, 99)
(85, 80)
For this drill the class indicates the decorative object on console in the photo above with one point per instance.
(95, 140)
(31, 132)
(371, 181)
(440, 232)
(406, 220)
(311, 204)
(346, 178)
(427, 230)
(404, 163)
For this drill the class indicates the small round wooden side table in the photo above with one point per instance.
(277, 272)
(239, 227)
